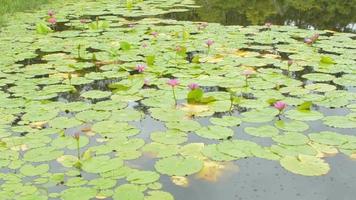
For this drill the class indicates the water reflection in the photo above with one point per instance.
(313, 14)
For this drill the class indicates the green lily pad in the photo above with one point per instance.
(291, 138)
(212, 152)
(80, 193)
(159, 195)
(215, 132)
(128, 192)
(292, 125)
(328, 137)
(339, 122)
(101, 164)
(305, 165)
(226, 121)
(64, 122)
(262, 131)
(142, 177)
(169, 137)
(304, 115)
(178, 166)
(96, 94)
(30, 170)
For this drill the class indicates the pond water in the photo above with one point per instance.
(319, 14)
(135, 100)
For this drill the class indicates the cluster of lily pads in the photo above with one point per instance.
(76, 89)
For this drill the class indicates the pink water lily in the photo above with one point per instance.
(179, 48)
(193, 86)
(315, 37)
(280, 105)
(140, 68)
(202, 25)
(84, 21)
(268, 24)
(146, 81)
(154, 34)
(52, 20)
(290, 62)
(308, 41)
(76, 135)
(51, 13)
(209, 42)
(248, 72)
(144, 45)
(173, 82)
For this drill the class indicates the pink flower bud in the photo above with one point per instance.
(209, 42)
(52, 20)
(308, 41)
(146, 81)
(280, 105)
(83, 21)
(51, 13)
(173, 82)
(193, 86)
(154, 34)
(248, 72)
(315, 37)
(290, 62)
(268, 24)
(178, 48)
(140, 68)
(76, 135)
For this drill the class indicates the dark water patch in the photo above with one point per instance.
(319, 14)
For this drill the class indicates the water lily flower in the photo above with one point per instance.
(51, 13)
(131, 25)
(173, 82)
(146, 81)
(308, 41)
(140, 68)
(76, 135)
(315, 37)
(193, 86)
(178, 48)
(154, 34)
(84, 21)
(312, 39)
(144, 45)
(209, 42)
(280, 105)
(52, 20)
(247, 73)
(202, 25)
(268, 24)
(290, 62)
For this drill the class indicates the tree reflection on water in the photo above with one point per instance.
(320, 14)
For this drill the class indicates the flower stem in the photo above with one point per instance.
(78, 150)
(231, 102)
(174, 96)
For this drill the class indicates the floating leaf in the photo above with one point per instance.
(142, 177)
(215, 132)
(291, 138)
(305, 165)
(262, 131)
(178, 166)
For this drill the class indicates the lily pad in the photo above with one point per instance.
(178, 166)
(305, 165)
